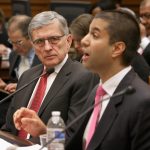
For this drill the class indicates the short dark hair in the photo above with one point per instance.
(122, 27)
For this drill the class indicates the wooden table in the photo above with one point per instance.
(14, 139)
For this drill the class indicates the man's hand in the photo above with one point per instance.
(11, 87)
(28, 120)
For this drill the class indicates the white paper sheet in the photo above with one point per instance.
(4, 145)
(33, 147)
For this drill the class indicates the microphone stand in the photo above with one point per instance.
(128, 90)
(49, 71)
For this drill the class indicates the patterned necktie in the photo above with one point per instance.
(37, 100)
(95, 115)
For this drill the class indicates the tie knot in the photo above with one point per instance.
(47, 72)
(44, 76)
(100, 91)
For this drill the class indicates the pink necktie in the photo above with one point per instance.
(95, 115)
(37, 100)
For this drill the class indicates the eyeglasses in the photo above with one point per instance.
(50, 39)
(145, 16)
(19, 42)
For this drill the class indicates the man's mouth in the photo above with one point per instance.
(85, 56)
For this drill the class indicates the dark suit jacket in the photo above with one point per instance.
(67, 94)
(141, 67)
(146, 54)
(125, 124)
(14, 60)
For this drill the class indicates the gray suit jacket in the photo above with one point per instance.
(67, 94)
(125, 124)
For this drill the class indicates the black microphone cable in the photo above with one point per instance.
(48, 71)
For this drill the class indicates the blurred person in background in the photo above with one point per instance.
(22, 56)
(79, 27)
(4, 44)
(144, 11)
(103, 5)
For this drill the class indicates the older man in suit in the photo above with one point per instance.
(22, 49)
(22, 56)
(144, 12)
(67, 87)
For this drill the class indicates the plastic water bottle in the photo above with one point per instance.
(55, 126)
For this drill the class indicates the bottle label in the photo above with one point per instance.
(56, 146)
(59, 139)
(55, 133)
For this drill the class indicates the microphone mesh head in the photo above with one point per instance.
(49, 70)
(130, 90)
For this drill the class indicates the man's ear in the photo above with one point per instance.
(69, 40)
(118, 49)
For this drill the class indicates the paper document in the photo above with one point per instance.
(33, 147)
(4, 145)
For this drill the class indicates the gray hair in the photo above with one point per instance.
(46, 17)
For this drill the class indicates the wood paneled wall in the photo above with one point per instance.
(42, 5)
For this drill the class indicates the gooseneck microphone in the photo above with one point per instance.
(48, 71)
(127, 90)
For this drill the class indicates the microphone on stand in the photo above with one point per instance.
(127, 90)
(48, 71)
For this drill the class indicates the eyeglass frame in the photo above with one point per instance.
(19, 42)
(49, 39)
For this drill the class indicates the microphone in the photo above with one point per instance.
(127, 90)
(48, 71)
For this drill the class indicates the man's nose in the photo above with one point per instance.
(47, 45)
(14, 46)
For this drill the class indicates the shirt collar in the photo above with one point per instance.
(58, 67)
(30, 55)
(111, 84)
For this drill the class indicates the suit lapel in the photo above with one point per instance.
(29, 89)
(58, 84)
(14, 64)
(110, 113)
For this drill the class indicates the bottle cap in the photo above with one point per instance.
(56, 113)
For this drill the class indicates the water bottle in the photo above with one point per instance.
(55, 126)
